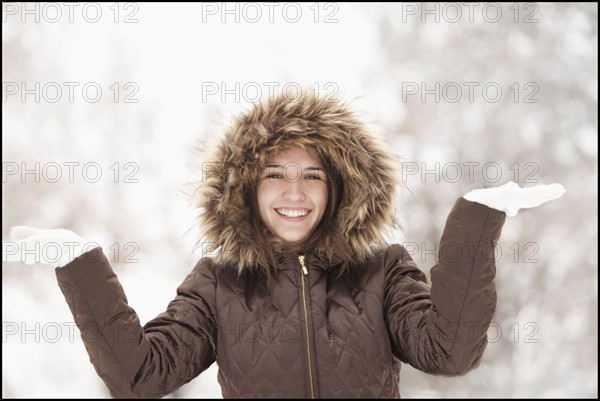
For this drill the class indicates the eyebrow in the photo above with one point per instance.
(268, 165)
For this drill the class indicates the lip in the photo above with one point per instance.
(293, 219)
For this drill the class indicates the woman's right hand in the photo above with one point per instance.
(56, 247)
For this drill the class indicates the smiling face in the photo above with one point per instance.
(292, 194)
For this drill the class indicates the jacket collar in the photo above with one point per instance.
(291, 260)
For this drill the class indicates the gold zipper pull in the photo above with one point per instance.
(301, 258)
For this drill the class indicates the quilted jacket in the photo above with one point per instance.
(314, 330)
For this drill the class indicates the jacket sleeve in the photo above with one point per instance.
(443, 329)
(135, 361)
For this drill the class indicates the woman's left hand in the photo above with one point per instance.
(510, 198)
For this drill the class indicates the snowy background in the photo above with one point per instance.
(103, 105)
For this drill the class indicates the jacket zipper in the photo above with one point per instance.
(303, 273)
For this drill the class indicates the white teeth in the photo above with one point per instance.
(292, 213)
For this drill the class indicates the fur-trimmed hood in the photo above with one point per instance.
(369, 174)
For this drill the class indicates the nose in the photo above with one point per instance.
(293, 191)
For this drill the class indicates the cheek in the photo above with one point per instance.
(264, 196)
(320, 198)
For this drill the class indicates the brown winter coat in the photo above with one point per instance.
(305, 334)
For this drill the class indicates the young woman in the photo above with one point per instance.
(303, 297)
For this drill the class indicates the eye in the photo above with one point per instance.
(273, 176)
(316, 178)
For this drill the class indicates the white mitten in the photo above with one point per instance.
(55, 247)
(509, 198)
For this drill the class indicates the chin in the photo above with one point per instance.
(294, 241)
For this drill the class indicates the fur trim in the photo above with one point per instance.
(369, 173)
